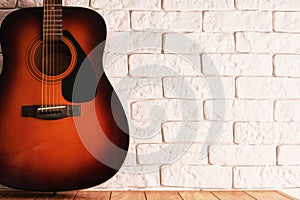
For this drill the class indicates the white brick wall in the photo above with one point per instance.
(212, 87)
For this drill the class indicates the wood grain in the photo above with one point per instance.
(234, 195)
(200, 195)
(14, 195)
(148, 195)
(128, 196)
(163, 195)
(267, 195)
(95, 195)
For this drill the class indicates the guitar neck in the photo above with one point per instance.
(52, 21)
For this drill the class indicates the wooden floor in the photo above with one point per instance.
(180, 195)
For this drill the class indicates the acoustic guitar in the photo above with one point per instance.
(61, 125)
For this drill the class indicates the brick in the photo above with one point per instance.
(198, 88)
(178, 153)
(4, 13)
(160, 65)
(133, 42)
(193, 43)
(8, 3)
(237, 64)
(167, 109)
(287, 110)
(116, 20)
(267, 88)
(209, 132)
(289, 155)
(162, 21)
(126, 5)
(287, 21)
(238, 110)
(134, 176)
(287, 65)
(131, 156)
(242, 155)
(1, 63)
(115, 65)
(144, 132)
(268, 5)
(266, 177)
(196, 176)
(190, 5)
(225, 21)
(268, 42)
(29, 3)
(81, 3)
(267, 133)
(129, 88)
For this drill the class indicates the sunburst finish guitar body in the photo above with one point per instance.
(57, 128)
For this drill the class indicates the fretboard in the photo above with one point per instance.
(52, 22)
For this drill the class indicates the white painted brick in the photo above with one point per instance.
(266, 177)
(268, 42)
(144, 132)
(196, 176)
(127, 5)
(242, 155)
(287, 111)
(226, 21)
(132, 177)
(29, 3)
(268, 88)
(129, 88)
(237, 64)
(133, 42)
(287, 21)
(164, 109)
(198, 88)
(189, 5)
(160, 65)
(172, 153)
(81, 3)
(267, 133)
(287, 65)
(115, 65)
(4, 13)
(289, 5)
(162, 21)
(194, 43)
(116, 20)
(1, 63)
(289, 155)
(131, 156)
(8, 3)
(238, 110)
(209, 132)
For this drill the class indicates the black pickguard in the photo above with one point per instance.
(86, 82)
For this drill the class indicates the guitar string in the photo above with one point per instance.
(43, 53)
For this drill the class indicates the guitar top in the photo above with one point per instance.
(57, 126)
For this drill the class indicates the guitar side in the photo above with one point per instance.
(61, 154)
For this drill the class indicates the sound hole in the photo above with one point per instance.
(53, 58)
(51, 61)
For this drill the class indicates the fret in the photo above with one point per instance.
(52, 23)
(52, 34)
(51, 20)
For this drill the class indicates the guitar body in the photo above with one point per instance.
(46, 151)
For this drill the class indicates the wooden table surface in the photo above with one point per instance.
(147, 195)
